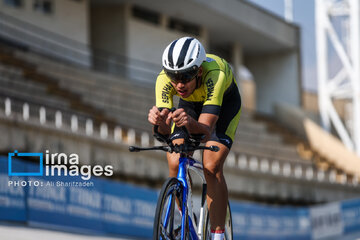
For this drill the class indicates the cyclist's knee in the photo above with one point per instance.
(214, 161)
(173, 159)
(213, 168)
(173, 163)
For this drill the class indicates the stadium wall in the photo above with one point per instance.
(115, 29)
(108, 28)
(277, 78)
(66, 19)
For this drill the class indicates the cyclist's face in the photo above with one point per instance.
(186, 88)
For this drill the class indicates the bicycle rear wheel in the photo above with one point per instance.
(167, 223)
(228, 235)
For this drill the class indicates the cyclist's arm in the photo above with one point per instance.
(164, 129)
(164, 92)
(205, 125)
(160, 118)
(215, 88)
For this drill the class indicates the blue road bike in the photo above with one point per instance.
(175, 217)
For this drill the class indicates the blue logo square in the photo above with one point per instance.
(16, 154)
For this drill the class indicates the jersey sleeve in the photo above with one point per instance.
(215, 84)
(164, 92)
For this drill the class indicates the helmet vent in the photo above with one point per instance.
(182, 54)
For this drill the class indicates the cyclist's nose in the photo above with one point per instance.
(180, 85)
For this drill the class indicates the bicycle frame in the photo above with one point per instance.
(186, 163)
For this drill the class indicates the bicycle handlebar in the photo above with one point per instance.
(191, 143)
(138, 149)
(175, 148)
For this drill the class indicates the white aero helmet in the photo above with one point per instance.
(182, 58)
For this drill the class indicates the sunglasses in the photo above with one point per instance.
(182, 76)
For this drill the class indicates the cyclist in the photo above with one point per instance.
(209, 104)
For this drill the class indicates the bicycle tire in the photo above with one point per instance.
(228, 235)
(171, 187)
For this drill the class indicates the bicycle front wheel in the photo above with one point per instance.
(167, 223)
(228, 235)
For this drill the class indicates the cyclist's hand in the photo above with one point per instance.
(155, 117)
(180, 117)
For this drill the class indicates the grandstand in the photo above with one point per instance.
(262, 146)
(95, 103)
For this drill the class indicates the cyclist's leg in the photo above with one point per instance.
(173, 159)
(213, 162)
(217, 194)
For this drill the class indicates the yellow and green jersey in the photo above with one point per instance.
(217, 80)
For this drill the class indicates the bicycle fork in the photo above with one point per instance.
(187, 214)
(199, 234)
(202, 211)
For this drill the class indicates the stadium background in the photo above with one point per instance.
(77, 76)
